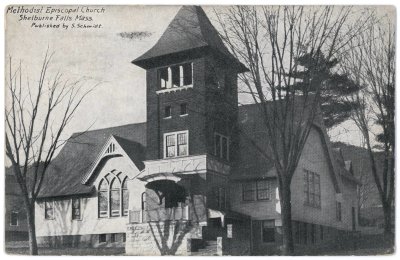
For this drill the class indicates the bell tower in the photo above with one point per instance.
(192, 99)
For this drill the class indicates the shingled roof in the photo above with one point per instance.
(65, 174)
(189, 30)
(77, 156)
(252, 165)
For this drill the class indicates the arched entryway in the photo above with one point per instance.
(165, 200)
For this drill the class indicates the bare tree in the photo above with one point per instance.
(36, 116)
(269, 40)
(371, 61)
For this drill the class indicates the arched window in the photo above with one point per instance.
(144, 201)
(115, 197)
(125, 197)
(103, 198)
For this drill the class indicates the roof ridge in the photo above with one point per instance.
(111, 127)
(124, 139)
(189, 31)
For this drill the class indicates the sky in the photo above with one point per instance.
(104, 56)
(100, 54)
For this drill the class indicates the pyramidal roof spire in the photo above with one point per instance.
(189, 30)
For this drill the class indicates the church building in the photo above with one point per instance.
(186, 182)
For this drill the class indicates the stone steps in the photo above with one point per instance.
(210, 249)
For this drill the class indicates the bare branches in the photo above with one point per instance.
(371, 61)
(269, 40)
(36, 116)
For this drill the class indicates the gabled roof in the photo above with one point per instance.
(252, 164)
(120, 147)
(134, 150)
(67, 170)
(344, 167)
(189, 30)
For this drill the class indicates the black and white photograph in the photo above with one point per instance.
(199, 130)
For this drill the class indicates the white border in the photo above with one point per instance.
(395, 3)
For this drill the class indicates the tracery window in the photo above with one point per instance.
(113, 196)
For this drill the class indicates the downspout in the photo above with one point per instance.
(160, 146)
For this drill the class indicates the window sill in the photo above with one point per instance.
(111, 217)
(168, 117)
(176, 157)
(183, 115)
(167, 90)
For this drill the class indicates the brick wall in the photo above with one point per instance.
(209, 108)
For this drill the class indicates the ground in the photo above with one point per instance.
(371, 245)
(21, 248)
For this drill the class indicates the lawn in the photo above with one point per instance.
(68, 251)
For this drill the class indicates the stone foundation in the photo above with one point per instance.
(161, 238)
(82, 241)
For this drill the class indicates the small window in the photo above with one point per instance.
(111, 148)
(167, 112)
(263, 190)
(297, 237)
(249, 191)
(103, 199)
(338, 211)
(221, 149)
(144, 201)
(115, 199)
(170, 145)
(182, 144)
(321, 234)
(183, 109)
(187, 74)
(49, 210)
(313, 233)
(312, 189)
(113, 238)
(102, 238)
(76, 208)
(220, 197)
(175, 76)
(257, 190)
(163, 75)
(125, 197)
(305, 235)
(14, 218)
(353, 218)
(268, 231)
(176, 144)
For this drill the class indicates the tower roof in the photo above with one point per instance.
(189, 30)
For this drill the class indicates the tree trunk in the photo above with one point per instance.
(286, 215)
(33, 248)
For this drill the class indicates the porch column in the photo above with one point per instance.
(169, 83)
